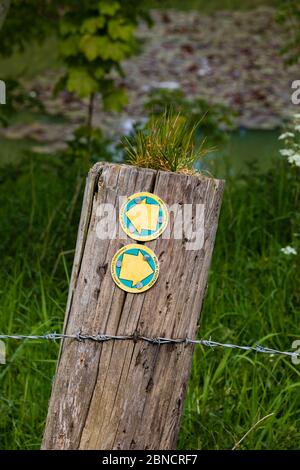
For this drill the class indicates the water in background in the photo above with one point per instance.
(244, 149)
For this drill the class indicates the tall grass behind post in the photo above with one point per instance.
(38, 233)
(253, 296)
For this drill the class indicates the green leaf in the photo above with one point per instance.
(92, 46)
(118, 30)
(100, 46)
(108, 8)
(80, 82)
(67, 27)
(113, 50)
(69, 46)
(91, 25)
(99, 73)
(115, 100)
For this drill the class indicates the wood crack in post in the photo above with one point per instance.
(100, 345)
(86, 214)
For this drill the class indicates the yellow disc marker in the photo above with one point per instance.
(134, 268)
(144, 216)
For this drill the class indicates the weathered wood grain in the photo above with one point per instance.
(126, 395)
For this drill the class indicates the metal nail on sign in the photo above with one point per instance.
(135, 268)
(144, 216)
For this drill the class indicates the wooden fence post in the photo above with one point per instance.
(126, 394)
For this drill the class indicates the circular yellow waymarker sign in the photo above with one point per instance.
(144, 216)
(134, 268)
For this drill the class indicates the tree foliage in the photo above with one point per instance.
(95, 36)
(95, 39)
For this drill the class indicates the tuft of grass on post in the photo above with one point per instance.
(166, 143)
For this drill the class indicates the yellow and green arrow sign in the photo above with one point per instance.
(134, 268)
(144, 216)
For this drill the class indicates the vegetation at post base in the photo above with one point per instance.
(253, 289)
(253, 296)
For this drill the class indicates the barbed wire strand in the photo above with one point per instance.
(155, 340)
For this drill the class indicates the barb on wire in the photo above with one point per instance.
(155, 341)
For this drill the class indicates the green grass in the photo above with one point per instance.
(253, 296)
(39, 214)
(167, 144)
(253, 293)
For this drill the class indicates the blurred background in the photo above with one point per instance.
(81, 75)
